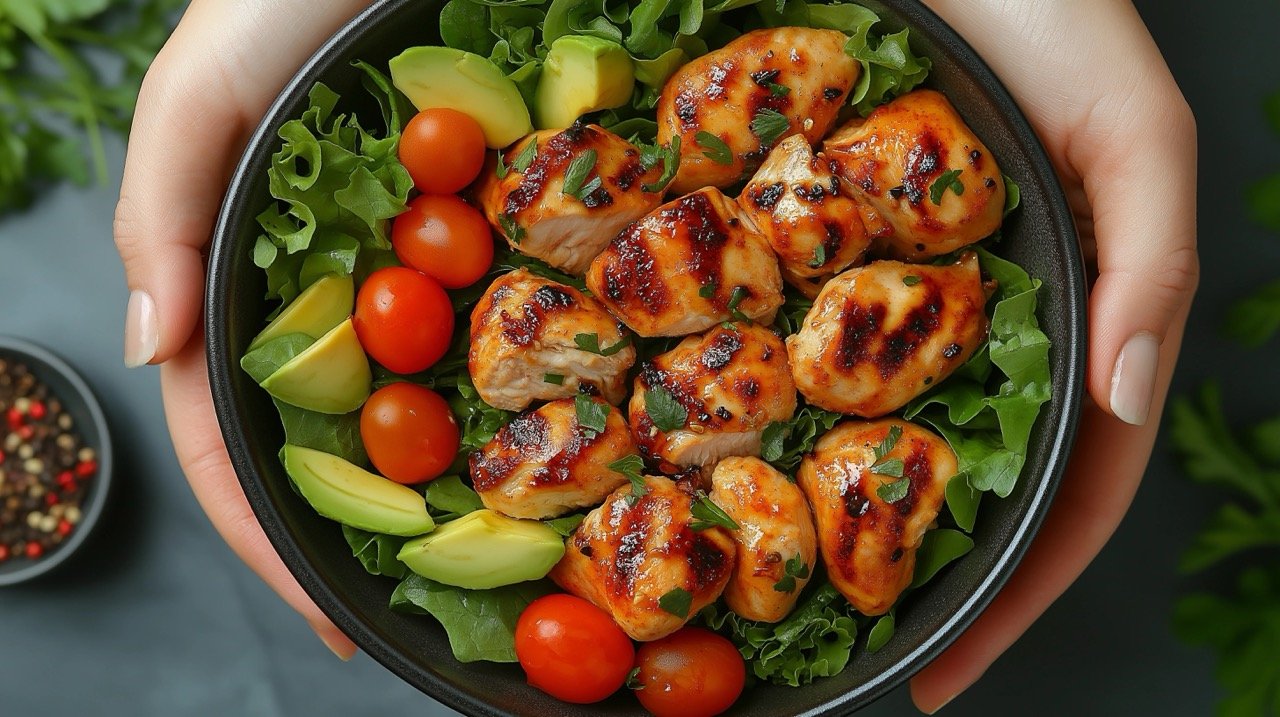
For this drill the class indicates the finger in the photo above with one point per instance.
(213, 80)
(203, 457)
(1106, 468)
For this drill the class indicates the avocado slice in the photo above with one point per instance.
(318, 309)
(344, 492)
(484, 549)
(466, 82)
(582, 74)
(330, 376)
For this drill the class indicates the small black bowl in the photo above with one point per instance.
(79, 402)
(1040, 236)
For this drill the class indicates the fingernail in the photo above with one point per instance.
(1134, 380)
(337, 648)
(141, 332)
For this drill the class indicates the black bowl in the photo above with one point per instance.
(1040, 236)
(79, 402)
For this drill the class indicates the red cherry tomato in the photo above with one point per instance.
(409, 432)
(443, 150)
(404, 319)
(571, 649)
(445, 238)
(691, 673)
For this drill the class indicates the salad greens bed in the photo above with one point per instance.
(337, 182)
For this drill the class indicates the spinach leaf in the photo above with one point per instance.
(881, 632)
(480, 623)
(939, 547)
(449, 494)
(265, 360)
(335, 435)
(376, 552)
(566, 525)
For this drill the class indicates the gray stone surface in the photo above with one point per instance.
(157, 618)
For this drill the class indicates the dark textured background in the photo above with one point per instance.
(158, 618)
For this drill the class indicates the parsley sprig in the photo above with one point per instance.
(793, 569)
(949, 179)
(713, 147)
(51, 93)
(706, 514)
(632, 467)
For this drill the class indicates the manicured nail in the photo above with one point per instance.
(141, 332)
(337, 648)
(1133, 381)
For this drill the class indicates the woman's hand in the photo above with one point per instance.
(215, 77)
(1093, 84)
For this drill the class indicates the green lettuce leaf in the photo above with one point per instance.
(480, 623)
(816, 640)
(376, 552)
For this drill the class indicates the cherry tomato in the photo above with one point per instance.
(445, 238)
(409, 432)
(403, 319)
(691, 673)
(571, 649)
(443, 150)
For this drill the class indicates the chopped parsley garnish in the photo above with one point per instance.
(669, 155)
(677, 601)
(591, 343)
(715, 148)
(708, 289)
(525, 158)
(793, 569)
(949, 179)
(819, 256)
(592, 415)
(739, 293)
(888, 466)
(706, 514)
(514, 231)
(632, 467)
(894, 491)
(769, 125)
(664, 410)
(778, 90)
(501, 169)
(555, 378)
(911, 280)
(575, 177)
(633, 679)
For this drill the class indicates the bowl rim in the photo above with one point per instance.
(914, 14)
(40, 358)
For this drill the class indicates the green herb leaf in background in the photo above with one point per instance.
(480, 623)
(56, 105)
(448, 494)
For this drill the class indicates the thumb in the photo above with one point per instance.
(1141, 184)
(181, 149)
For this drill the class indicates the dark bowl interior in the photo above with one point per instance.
(1040, 237)
(78, 401)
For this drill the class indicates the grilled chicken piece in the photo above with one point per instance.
(776, 541)
(544, 464)
(902, 155)
(725, 91)
(880, 335)
(523, 345)
(691, 264)
(529, 208)
(868, 539)
(814, 227)
(625, 557)
(728, 384)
